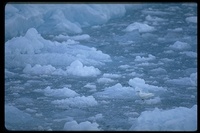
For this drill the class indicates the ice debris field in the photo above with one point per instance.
(128, 67)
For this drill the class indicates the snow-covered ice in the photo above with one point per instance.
(101, 67)
(140, 27)
(177, 119)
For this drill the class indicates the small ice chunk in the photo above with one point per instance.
(79, 101)
(140, 27)
(91, 86)
(64, 92)
(110, 75)
(83, 126)
(177, 119)
(76, 68)
(150, 57)
(104, 80)
(192, 19)
(178, 45)
(157, 19)
(140, 83)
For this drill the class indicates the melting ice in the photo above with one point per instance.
(81, 66)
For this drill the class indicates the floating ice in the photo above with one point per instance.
(185, 81)
(67, 38)
(64, 92)
(190, 54)
(59, 18)
(15, 117)
(76, 68)
(79, 101)
(178, 45)
(110, 75)
(104, 80)
(83, 126)
(150, 57)
(117, 91)
(150, 18)
(140, 27)
(178, 119)
(33, 49)
(192, 19)
(140, 83)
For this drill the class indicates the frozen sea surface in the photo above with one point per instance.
(101, 67)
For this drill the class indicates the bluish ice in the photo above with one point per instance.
(129, 67)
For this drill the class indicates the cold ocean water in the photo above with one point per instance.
(80, 67)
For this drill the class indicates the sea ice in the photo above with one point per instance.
(150, 57)
(78, 101)
(177, 119)
(82, 126)
(192, 19)
(76, 68)
(141, 85)
(64, 92)
(140, 27)
(178, 45)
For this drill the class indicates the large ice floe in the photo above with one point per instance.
(177, 119)
(101, 67)
(33, 49)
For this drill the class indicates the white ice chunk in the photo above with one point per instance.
(192, 19)
(91, 86)
(110, 75)
(67, 38)
(76, 68)
(105, 80)
(178, 45)
(141, 85)
(26, 44)
(140, 27)
(139, 58)
(185, 81)
(157, 19)
(64, 92)
(190, 54)
(117, 91)
(79, 101)
(15, 116)
(83, 126)
(177, 119)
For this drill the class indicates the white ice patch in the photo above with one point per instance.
(31, 43)
(59, 18)
(141, 59)
(192, 19)
(110, 75)
(178, 45)
(140, 27)
(117, 91)
(140, 84)
(190, 54)
(76, 68)
(157, 19)
(64, 92)
(91, 86)
(33, 49)
(83, 126)
(158, 71)
(15, 116)
(42, 70)
(177, 119)
(67, 38)
(79, 101)
(185, 81)
(105, 80)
